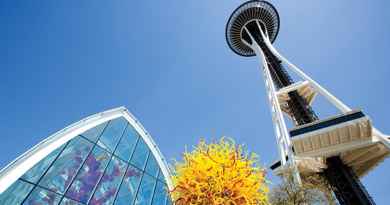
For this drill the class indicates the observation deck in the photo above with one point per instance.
(349, 135)
(246, 13)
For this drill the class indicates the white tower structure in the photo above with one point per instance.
(341, 148)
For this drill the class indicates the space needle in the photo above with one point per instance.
(342, 148)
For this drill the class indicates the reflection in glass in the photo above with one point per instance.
(161, 176)
(16, 193)
(145, 191)
(42, 197)
(140, 155)
(67, 201)
(62, 172)
(109, 184)
(129, 186)
(152, 167)
(39, 169)
(94, 133)
(89, 175)
(159, 194)
(112, 133)
(127, 144)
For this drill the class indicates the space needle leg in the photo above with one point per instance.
(283, 136)
(331, 98)
(345, 184)
(385, 139)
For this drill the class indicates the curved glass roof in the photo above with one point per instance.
(110, 163)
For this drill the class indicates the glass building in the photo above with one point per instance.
(107, 158)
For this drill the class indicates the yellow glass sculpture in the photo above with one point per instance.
(219, 173)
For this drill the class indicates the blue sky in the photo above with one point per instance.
(169, 64)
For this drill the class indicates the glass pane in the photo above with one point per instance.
(67, 201)
(127, 143)
(16, 193)
(140, 155)
(159, 194)
(129, 186)
(152, 167)
(161, 176)
(145, 191)
(89, 175)
(94, 133)
(63, 170)
(42, 197)
(109, 184)
(112, 133)
(39, 169)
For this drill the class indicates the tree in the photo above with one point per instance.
(313, 190)
(219, 173)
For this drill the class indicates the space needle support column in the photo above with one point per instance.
(331, 98)
(282, 135)
(385, 139)
(250, 31)
(346, 185)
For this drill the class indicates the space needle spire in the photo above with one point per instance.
(342, 148)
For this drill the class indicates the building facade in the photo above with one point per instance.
(107, 158)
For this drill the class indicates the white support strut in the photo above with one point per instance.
(282, 134)
(331, 98)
